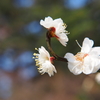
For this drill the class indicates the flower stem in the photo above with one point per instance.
(48, 40)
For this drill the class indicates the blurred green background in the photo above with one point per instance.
(21, 32)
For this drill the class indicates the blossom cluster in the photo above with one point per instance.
(86, 61)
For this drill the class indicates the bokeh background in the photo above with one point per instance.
(20, 33)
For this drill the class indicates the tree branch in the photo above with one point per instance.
(48, 40)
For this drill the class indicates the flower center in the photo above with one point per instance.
(52, 32)
(51, 59)
(80, 56)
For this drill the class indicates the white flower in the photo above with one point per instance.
(86, 61)
(56, 28)
(44, 62)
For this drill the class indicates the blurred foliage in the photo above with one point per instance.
(83, 22)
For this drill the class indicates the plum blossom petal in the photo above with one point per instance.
(57, 28)
(73, 64)
(95, 50)
(44, 62)
(47, 67)
(63, 39)
(75, 68)
(87, 45)
(47, 23)
(88, 65)
(70, 57)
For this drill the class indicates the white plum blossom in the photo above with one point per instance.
(86, 61)
(44, 61)
(56, 28)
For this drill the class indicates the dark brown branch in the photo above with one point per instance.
(48, 40)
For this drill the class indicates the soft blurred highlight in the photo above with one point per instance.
(21, 32)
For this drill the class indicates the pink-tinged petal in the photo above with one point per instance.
(87, 45)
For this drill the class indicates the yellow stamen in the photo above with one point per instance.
(37, 61)
(80, 56)
(35, 54)
(64, 25)
(36, 49)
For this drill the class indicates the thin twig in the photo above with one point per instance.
(48, 40)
